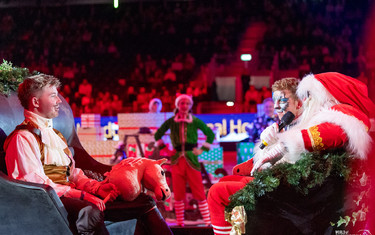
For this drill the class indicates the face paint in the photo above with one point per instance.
(281, 102)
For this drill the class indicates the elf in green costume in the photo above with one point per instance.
(185, 165)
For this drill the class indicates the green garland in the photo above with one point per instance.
(11, 77)
(310, 171)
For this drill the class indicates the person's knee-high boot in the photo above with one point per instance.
(153, 223)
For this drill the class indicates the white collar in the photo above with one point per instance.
(179, 118)
(40, 121)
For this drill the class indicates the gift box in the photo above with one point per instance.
(245, 151)
(132, 150)
(212, 160)
(148, 151)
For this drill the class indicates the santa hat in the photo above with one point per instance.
(153, 101)
(344, 89)
(183, 96)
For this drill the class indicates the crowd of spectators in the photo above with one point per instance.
(147, 46)
(314, 36)
(117, 60)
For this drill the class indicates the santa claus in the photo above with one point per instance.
(336, 116)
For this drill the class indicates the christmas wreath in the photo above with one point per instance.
(11, 77)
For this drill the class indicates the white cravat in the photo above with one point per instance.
(54, 145)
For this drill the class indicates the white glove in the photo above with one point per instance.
(275, 151)
(269, 135)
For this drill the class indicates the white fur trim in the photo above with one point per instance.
(153, 101)
(182, 96)
(317, 91)
(293, 141)
(258, 153)
(359, 140)
(356, 131)
(207, 145)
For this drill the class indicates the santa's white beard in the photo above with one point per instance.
(312, 107)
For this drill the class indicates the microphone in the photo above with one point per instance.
(285, 120)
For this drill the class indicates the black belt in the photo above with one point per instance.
(188, 147)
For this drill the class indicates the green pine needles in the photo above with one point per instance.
(11, 77)
(310, 171)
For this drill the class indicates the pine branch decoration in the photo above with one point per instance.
(310, 171)
(11, 77)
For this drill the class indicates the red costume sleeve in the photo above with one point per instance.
(324, 136)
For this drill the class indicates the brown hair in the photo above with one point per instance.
(32, 85)
(287, 84)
